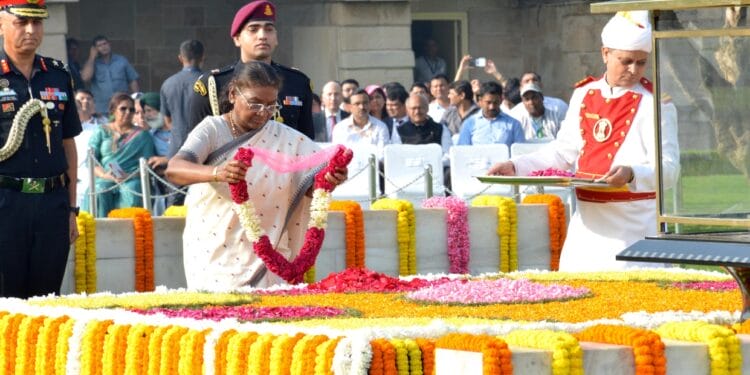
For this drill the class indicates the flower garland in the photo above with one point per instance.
(281, 361)
(136, 357)
(355, 232)
(507, 228)
(28, 334)
(9, 334)
(238, 349)
(723, 344)
(115, 348)
(61, 349)
(143, 229)
(191, 352)
(457, 224)
(259, 353)
(408, 357)
(648, 349)
(92, 344)
(405, 232)
(47, 343)
(304, 354)
(170, 350)
(221, 361)
(496, 357)
(383, 358)
(402, 356)
(567, 355)
(324, 356)
(557, 224)
(427, 348)
(470, 292)
(154, 349)
(85, 254)
(293, 271)
(175, 211)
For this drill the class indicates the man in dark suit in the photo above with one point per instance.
(326, 120)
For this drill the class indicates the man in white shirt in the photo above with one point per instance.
(540, 124)
(439, 91)
(331, 115)
(550, 102)
(361, 127)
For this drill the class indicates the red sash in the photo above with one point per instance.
(605, 196)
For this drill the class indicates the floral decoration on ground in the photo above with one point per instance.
(251, 313)
(715, 286)
(497, 291)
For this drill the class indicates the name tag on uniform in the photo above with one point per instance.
(292, 100)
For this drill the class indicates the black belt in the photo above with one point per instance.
(33, 185)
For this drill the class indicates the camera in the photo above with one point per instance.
(479, 62)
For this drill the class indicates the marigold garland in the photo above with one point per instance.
(92, 345)
(402, 356)
(221, 360)
(47, 345)
(427, 348)
(154, 349)
(237, 352)
(496, 357)
(507, 228)
(723, 344)
(85, 254)
(191, 352)
(405, 232)
(61, 349)
(28, 334)
(383, 358)
(137, 353)
(324, 356)
(260, 352)
(648, 349)
(567, 355)
(9, 324)
(115, 349)
(170, 350)
(143, 228)
(408, 357)
(557, 224)
(355, 232)
(175, 211)
(281, 361)
(457, 225)
(304, 353)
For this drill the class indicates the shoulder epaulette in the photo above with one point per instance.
(584, 81)
(288, 69)
(56, 63)
(200, 84)
(648, 85)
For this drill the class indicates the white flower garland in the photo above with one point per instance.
(20, 122)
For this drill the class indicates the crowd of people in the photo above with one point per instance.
(190, 129)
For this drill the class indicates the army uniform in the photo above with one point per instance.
(34, 202)
(295, 97)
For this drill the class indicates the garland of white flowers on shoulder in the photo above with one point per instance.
(293, 272)
(18, 128)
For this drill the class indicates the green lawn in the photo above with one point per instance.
(711, 194)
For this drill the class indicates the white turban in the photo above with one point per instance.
(628, 31)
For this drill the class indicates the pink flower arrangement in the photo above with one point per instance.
(248, 313)
(714, 286)
(496, 291)
(364, 280)
(457, 223)
(551, 172)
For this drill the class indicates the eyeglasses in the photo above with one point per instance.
(257, 107)
(126, 109)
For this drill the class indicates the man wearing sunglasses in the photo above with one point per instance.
(254, 32)
(37, 159)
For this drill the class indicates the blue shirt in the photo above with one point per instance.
(479, 130)
(161, 141)
(109, 79)
(175, 102)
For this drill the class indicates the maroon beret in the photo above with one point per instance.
(256, 10)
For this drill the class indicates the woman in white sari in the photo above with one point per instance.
(216, 252)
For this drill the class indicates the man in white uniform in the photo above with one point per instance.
(608, 134)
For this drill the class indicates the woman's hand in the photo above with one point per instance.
(462, 66)
(231, 172)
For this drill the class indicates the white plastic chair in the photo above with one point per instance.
(405, 163)
(567, 194)
(469, 161)
(357, 187)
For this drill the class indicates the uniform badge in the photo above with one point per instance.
(602, 130)
(292, 100)
(268, 11)
(4, 83)
(53, 93)
(8, 95)
(8, 107)
(200, 88)
(50, 105)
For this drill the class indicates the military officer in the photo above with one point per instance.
(38, 121)
(254, 32)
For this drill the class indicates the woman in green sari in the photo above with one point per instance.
(118, 146)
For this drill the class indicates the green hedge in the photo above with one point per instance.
(699, 163)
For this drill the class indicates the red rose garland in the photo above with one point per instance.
(294, 271)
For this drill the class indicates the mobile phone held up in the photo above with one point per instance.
(479, 62)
